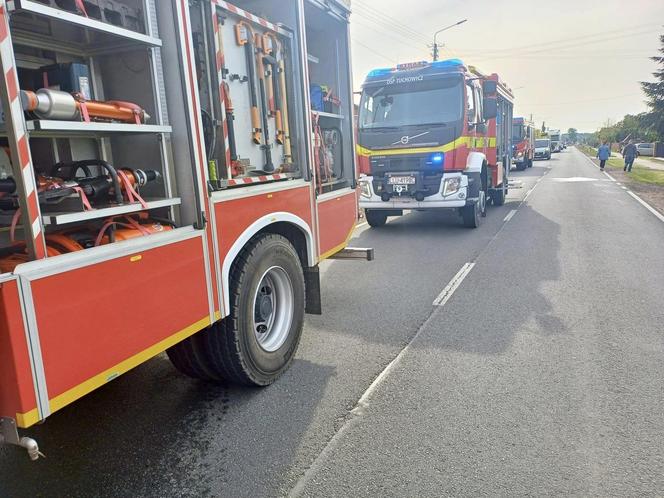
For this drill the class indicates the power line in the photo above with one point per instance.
(394, 28)
(580, 101)
(392, 21)
(567, 40)
(418, 47)
(370, 49)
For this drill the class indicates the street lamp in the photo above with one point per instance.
(435, 37)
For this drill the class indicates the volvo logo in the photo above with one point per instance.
(406, 139)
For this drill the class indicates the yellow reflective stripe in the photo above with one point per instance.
(473, 142)
(25, 420)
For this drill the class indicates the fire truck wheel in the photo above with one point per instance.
(472, 214)
(498, 196)
(522, 166)
(375, 218)
(257, 342)
(530, 163)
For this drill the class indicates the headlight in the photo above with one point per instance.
(365, 189)
(519, 154)
(452, 185)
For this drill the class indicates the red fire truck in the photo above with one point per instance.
(166, 185)
(433, 135)
(523, 143)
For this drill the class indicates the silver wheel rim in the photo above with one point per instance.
(273, 309)
(482, 202)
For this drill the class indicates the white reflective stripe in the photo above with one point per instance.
(34, 347)
(36, 227)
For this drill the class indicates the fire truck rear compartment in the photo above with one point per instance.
(152, 204)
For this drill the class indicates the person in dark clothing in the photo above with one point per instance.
(603, 154)
(629, 154)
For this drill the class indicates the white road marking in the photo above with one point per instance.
(638, 199)
(454, 284)
(509, 215)
(612, 179)
(363, 403)
(647, 206)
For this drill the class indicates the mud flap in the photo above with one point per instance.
(313, 304)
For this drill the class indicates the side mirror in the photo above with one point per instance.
(489, 87)
(490, 106)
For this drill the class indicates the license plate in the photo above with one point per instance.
(401, 180)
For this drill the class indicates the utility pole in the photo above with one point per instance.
(435, 37)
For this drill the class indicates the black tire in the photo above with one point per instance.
(530, 163)
(522, 166)
(498, 196)
(548, 158)
(230, 349)
(472, 215)
(375, 217)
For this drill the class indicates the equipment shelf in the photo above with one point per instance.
(51, 128)
(327, 115)
(104, 32)
(64, 218)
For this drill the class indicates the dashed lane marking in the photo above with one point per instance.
(454, 284)
(509, 215)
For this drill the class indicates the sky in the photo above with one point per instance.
(570, 63)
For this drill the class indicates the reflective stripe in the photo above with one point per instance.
(473, 142)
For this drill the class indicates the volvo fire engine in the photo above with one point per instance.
(523, 143)
(167, 185)
(433, 135)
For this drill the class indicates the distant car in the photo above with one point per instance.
(645, 149)
(543, 148)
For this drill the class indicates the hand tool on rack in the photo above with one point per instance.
(117, 182)
(244, 36)
(275, 50)
(63, 183)
(268, 167)
(232, 169)
(269, 43)
(54, 104)
(230, 123)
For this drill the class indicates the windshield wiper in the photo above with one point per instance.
(380, 128)
(430, 124)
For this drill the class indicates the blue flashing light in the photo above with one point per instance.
(437, 158)
(447, 63)
(377, 73)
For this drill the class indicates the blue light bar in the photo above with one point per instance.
(380, 72)
(447, 63)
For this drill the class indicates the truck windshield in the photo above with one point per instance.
(435, 101)
(542, 143)
(517, 133)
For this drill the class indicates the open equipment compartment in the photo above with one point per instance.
(93, 112)
(131, 245)
(248, 76)
(330, 94)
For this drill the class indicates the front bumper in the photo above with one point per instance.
(369, 199)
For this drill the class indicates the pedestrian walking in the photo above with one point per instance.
(603, 154)
(629, 154)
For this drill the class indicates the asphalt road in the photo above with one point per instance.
(542, 374)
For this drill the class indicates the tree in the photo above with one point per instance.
(654, 91)
(572, 135)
